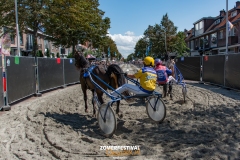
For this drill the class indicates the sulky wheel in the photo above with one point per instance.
(160, 113)
(184, 92)
(108, 126)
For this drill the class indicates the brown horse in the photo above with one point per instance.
(112, 76)
(170, 65)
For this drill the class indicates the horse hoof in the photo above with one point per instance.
(120, 115)
(86, 110)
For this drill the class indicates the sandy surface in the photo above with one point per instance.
(55, 126)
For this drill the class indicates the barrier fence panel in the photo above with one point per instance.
(1, 86)
(50, 73)
(189, 67)
(213, 69)
(21, 81)
(71, 74)
(232, 71)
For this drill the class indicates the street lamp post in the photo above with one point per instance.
(17, 29)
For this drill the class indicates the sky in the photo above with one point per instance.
(130, 18)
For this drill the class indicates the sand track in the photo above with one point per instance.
(55, 126)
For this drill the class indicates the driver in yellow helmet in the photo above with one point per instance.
(147, 76)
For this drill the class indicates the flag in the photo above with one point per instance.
(115, 54)
(230, 26)
(108, 51)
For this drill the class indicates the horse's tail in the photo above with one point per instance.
(118, 73)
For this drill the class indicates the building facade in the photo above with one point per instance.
(208, 35)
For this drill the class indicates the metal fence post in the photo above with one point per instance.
(6, 106)
(38, 94)
(64, 81)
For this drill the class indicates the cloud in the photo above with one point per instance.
(125, 43)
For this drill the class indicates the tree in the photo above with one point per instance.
(160, 37)
(67, 22)
(82, 22)
(30, 17)
(180, 45)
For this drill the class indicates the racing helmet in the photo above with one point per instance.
(149, 61)
(158, 62)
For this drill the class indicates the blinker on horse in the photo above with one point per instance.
(111, 76)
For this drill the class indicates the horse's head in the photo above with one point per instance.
(80, 61)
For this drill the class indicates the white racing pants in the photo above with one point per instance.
(171, 80)
(128, 87)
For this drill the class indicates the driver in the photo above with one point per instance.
(147, 76)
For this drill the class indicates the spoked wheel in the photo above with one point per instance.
(184, 92)
(109, 125)
(159, 114)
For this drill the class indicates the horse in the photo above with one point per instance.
(170, 65)
(112, 76)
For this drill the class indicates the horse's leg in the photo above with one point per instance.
(164, 90)
(118, 112)
(94, 109)
(85, 99)
(170, 90)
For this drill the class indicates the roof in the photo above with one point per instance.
(189, 35)
(203, 19)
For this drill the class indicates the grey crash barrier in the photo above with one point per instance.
(1, 87)
(213, 69)
(71, 74)
(49, 73)
(21, 80)
(189, 67)
(232, 71)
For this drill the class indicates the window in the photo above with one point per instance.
(192, 45)
(214, 40)
(221, 35)
(196, 26)
(206, 40)
(201, 25)
(233, 14)
(201, 42)
(21, 39)
(231, 32)
(217, 21)
(12, 37)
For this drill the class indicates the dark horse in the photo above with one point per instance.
(112, 76)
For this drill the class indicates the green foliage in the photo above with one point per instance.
(48, 53)
(53, 55)
(70, 55)
(39, 53)
(180, 45)
(58, 55)
(67, 22)
(159, 37)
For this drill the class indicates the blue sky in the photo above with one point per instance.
(130, 18)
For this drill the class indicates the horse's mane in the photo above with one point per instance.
(114, 68)
(80, 61)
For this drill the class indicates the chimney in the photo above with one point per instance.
(222, 13)
(237, 3)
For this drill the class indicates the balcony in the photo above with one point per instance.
(231, 41)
